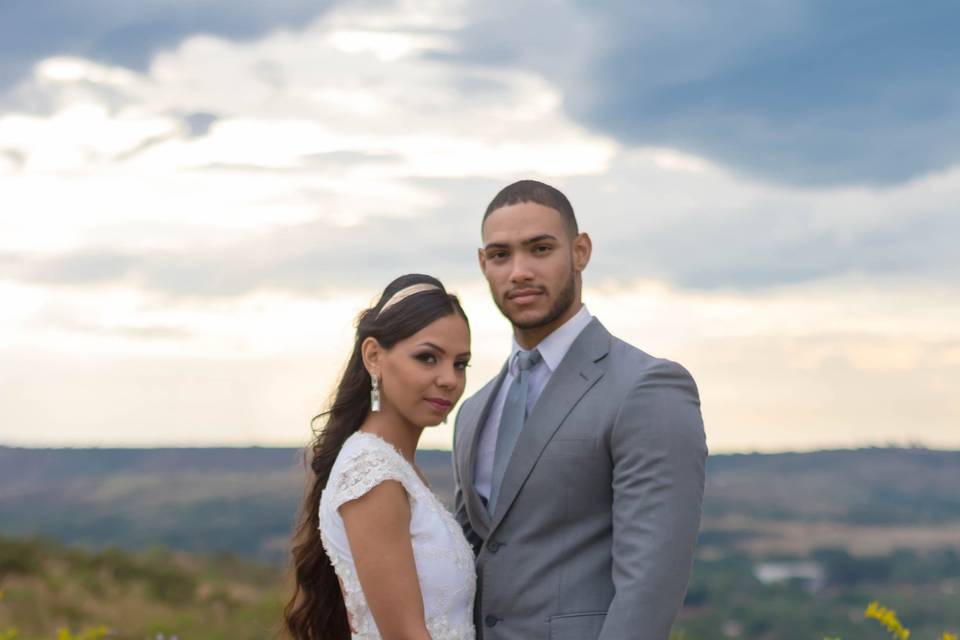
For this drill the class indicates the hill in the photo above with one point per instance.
(243, 501)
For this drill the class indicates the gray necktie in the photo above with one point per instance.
(511, 422)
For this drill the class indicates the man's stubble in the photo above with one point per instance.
(565, 298)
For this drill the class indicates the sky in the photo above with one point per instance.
(198, 197)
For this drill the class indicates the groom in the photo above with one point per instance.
(580, 467)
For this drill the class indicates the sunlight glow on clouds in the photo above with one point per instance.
(183, 249)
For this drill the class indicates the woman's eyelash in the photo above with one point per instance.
(428, 357)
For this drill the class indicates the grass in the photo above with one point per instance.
(52, 591)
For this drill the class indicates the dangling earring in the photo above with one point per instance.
(374, 393)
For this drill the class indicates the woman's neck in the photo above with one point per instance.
(395, 430)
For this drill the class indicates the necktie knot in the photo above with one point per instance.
(527, 360)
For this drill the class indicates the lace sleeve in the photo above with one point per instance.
(362, 472)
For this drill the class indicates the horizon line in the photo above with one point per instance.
(287, 447)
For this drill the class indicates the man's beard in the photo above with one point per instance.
(565, 298)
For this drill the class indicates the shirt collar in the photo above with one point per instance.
(555, 346)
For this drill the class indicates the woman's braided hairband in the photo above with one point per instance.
(405, 293)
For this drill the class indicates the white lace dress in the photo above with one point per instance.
(444, 560)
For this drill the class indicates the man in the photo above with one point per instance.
(580, 467)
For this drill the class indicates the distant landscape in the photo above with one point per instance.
(792, 545)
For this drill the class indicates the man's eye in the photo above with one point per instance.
(498, 255)
(542, 248)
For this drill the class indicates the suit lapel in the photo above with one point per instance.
(473, 426)
(575, 375)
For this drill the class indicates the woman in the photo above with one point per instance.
(382, 557)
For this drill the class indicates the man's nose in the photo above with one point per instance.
(520, 271)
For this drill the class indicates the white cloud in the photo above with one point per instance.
(113, 161)
(807, 367)
(170, 287)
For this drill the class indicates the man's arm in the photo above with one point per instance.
(459, 502)
(659, 454)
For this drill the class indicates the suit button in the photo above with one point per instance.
(491, 621)
(493, 546)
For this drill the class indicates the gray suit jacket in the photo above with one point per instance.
(599, 508)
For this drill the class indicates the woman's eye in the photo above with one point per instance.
(429, 358)
(462, 365)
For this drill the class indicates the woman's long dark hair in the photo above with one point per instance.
(316, 610)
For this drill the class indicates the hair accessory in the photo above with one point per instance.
(374, 393)
(405, 293)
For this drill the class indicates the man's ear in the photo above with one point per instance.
(372, 354)
(582, 249)
(482, 259)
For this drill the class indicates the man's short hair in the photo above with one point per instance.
(539, 193)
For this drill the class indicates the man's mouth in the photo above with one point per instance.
(521, 296)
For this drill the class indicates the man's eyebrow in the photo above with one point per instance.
(539, 238)
(533, 240)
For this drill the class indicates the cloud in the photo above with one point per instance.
(645, 222)
(803, 93)
(836, 364)
(231, 168)
(701, 227)
(129, 35)
(309, 259)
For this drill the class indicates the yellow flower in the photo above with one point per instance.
(94, 633)
(888, 618)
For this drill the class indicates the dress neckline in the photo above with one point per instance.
(381, 440)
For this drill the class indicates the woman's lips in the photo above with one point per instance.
(440, 404)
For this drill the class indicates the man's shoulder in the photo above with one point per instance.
(633, 362)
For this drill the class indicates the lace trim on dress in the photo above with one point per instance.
(361, 472)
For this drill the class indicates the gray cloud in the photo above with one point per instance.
(198, 124)
(778, 241)
(89, 267)
(807, 93)
(129, 34)
(782, 243)
(17, 158)
(310, 258)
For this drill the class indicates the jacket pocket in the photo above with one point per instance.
(577, 626)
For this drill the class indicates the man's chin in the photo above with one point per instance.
(528, 318)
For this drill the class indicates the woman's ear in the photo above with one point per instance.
(372, 354)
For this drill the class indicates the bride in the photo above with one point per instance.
(382, 557)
